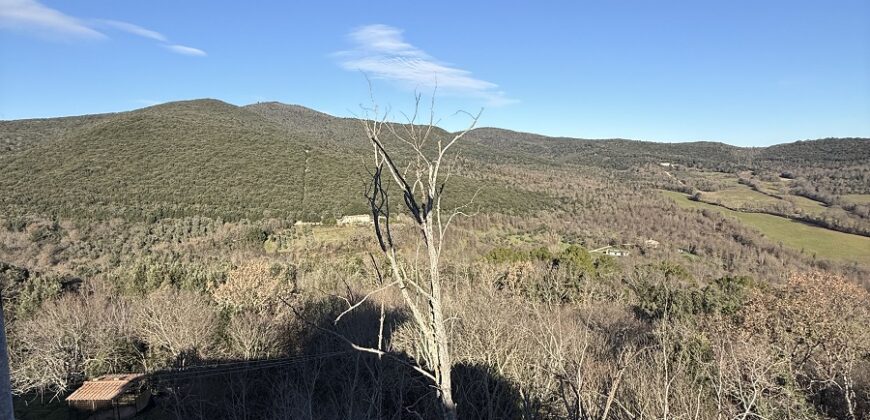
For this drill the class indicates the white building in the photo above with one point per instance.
(357, 219)
(616, 252)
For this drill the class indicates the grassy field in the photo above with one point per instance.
(807, 205)
(824, 243)
(739, 196)
(857, 198)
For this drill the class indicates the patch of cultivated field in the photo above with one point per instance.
(739, 196)
(699, 178)
(774, 188)
(824, 243)
(807, 205)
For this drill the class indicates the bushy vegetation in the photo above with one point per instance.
(164, 241)
(200, 158)
(654, 342)
(671, 299)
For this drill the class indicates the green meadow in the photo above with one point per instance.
(824, 243)
(739, 196)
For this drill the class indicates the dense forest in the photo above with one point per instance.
(198, 242)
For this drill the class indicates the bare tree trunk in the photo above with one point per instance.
(6, 411)
(420, 184)
(443, 363)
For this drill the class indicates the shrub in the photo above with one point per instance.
(576, 258)
(512, 255)
(51, 233)
(255, 284)
(16, 224)
(724, 296)
(256, 235)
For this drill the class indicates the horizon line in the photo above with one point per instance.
(549, 136)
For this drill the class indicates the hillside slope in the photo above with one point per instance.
(21, 134)
(607, 153)
(160, 161)
(207, 157)
(201, 157)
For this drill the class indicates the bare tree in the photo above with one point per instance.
(176, 324)
(417, 275)
(70, 339)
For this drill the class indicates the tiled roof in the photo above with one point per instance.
(104, 388)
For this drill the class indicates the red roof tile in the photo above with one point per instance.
(104, 388)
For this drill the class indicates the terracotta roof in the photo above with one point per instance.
(104, 388)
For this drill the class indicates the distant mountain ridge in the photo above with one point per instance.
(271, 159)
(298, 117)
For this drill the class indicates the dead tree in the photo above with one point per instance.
(420, 184)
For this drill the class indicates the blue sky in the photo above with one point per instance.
(742, 72)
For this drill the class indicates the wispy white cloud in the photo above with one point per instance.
(134, 29)
(185, 50)
(382, 52)
(31, 16)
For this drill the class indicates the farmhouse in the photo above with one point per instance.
(111, 396)
(358, 219)
(616, 252)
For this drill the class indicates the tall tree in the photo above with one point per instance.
(420, 182)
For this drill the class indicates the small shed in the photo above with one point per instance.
(118, 396)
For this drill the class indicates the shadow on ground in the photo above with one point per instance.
(322, 377)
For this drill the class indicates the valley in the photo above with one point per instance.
(198, 233)
(578, 210)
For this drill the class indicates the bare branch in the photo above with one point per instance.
(363, 300)
(355, 346)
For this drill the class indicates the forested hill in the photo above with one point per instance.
(504, 145)
(608, 153)
(202, 157)
(824, 152)
(208, 157)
